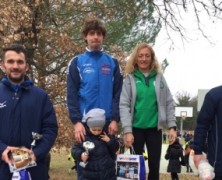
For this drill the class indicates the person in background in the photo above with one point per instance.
(24, 109)
(188, 137)
(100, 164)
(164, 137)
(146, 106)
(175, 156)
(208, 132)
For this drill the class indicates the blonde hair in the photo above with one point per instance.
(131, 64)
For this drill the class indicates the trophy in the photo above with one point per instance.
(35, 137)
(87, 146)
(21, 159)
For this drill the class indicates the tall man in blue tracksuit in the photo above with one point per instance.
(24, 109)
(208, 131)
(93, 81)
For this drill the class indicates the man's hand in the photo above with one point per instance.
(79, 132)
(197, 158)
(5, 154)
(113, 128)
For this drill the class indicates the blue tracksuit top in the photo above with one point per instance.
(24, 110)
(93, 81)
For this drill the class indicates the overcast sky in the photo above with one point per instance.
(196, 64)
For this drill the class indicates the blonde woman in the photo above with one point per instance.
(146, 106)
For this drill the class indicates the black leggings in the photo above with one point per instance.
(153, 140)
(174, 176)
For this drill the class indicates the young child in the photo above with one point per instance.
(100, 164)
(175, 156)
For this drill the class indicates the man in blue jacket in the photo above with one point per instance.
(24, 109)
(208, 131)
(93, 81)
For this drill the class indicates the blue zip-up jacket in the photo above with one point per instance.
(25, 109)
(209, 129)
(93, 81)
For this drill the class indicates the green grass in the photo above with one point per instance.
(60, 165)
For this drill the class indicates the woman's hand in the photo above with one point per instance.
(172, 134)
(128, 139)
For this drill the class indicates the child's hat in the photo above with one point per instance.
(95, 118)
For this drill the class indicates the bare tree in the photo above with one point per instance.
(170, 13)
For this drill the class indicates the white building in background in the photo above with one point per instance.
(201, 96)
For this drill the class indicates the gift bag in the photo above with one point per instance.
(130, 166)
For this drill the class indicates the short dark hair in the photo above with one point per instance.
(14, 47)
(94, 24)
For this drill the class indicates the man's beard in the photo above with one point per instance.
(16, 80)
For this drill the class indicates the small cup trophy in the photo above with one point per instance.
(87, 146)
(35, 137)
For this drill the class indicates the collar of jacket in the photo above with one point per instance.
(87, 49)
(140, 75)
(94, 53)
(24, 85)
